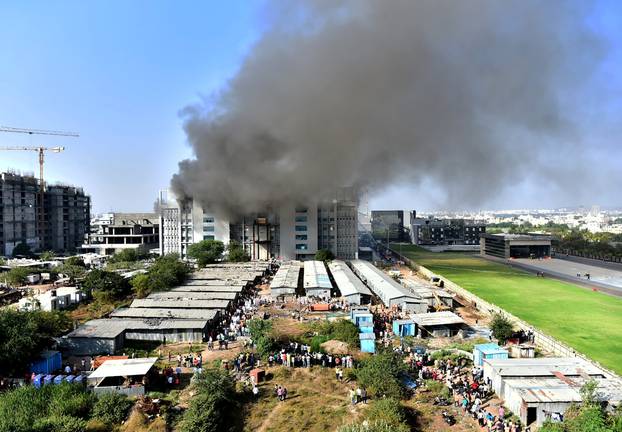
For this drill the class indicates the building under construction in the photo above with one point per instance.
(60, 224)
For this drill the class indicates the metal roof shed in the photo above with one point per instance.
(315, 279)
(488, 351)
(438, 324)
(193, 295)
(349, 285)
(180, 304)
(122, 376)
(390, 292)
(191, 314)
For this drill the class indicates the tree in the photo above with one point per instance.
(112, 408)
(214, 408)
(106, 286)
(206, 251)
(47, 256)
(23, 335)
(380, 374)
(16, 277)
(165, 273)
(237, 253)
(22, 249)
(502, 328)
(75, 261)
(128, 255)
(324, 255)
(73, 272)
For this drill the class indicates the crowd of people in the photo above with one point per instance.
(469, 391)
(300, 355)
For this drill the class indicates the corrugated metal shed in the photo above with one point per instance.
(348, 284)
(180, 304)
(285, 280)
(190, 295)
(126, 367)
(192, 314)
(111, 328)
(209, 288)
(390, 292)
(437, 319)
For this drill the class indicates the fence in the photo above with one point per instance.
(541, 340)
(574, 253)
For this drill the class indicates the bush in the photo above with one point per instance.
(206, 251)
(214, 408)
(388, 410)
(374, 426)
(112, 408)
(106, 286)
(128, 255)
(58, 408)
(502, 328)
(237, 253)
(380, 374)
(166, 272)
(324, 255)
(342, 330)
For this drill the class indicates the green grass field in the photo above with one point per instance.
(588, 321)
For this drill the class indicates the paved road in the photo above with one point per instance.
(603, 279)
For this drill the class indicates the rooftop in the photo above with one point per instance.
(179, 304)
(346, 281)
(543, 367)
(315, 275)
(111, 328)
(380, 283)
(125, 367)
(191, 314)
(437, 319)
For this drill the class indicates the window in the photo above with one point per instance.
(301, 218)
(301, 237)
(301, 228)
(208, 219)
(301, 210)
(208, 228)
(301, 246)
(208, 237)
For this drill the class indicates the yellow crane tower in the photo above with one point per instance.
(41, 151)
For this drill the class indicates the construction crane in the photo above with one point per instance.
(41, 151)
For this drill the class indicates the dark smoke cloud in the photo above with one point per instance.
(474, 95)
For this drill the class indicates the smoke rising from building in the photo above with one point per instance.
(474, 95)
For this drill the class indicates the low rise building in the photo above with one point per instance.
(445, 232)
(125, 231)
(516, 245)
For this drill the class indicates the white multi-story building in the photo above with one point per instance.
(185, 222)
(291, 232)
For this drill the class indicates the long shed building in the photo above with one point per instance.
(315, 280)
(349, 285)
(390, 292)
(285, 281)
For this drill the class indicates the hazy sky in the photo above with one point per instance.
(119, 72)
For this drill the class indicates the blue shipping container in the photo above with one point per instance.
(48, 362)
(488, 351)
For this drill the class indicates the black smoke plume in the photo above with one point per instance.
(473, 94)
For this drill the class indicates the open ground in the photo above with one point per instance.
(590, 322)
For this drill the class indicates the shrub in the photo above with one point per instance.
(374, 426)
(112, 408)
(388, 410)
(206, 251)
(502, 328)
(380, 374)
(214, 408)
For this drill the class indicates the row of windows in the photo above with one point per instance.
(301, 237)
(301, 246)
(301, 228)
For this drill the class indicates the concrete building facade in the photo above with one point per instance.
(293, 231)
(125, 231)
(61, 224)
(444, 232)
(516, 245)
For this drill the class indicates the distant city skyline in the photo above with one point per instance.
(119, 73)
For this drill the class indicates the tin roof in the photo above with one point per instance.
(346, 281)
(437, 319)
(125, 367)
